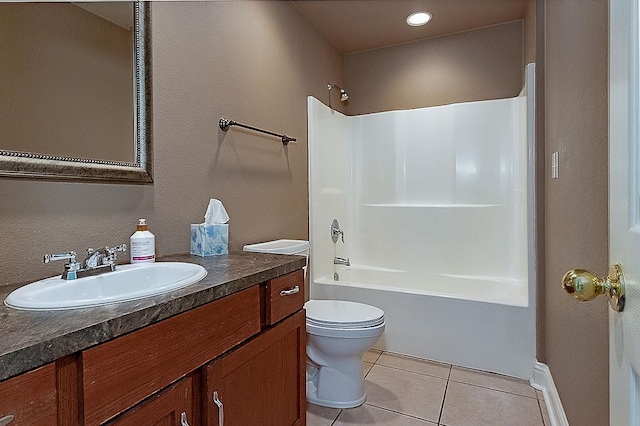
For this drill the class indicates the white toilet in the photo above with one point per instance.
(338, 333)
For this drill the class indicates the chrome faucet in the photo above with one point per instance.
(97, 262)
(341, 261)
(102, 257)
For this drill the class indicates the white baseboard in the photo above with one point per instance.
(543, 381)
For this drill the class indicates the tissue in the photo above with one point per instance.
(216, 213)
(211, 237)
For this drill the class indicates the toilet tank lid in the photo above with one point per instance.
(279, 247)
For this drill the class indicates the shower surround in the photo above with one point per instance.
(435, 204)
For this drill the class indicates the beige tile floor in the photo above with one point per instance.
(406, 391)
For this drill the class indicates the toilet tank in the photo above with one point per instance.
(299, 247)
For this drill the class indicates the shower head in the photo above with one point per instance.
(343, 95)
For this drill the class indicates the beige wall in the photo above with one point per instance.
(529, 32)
(540, 174)
(254, 62)
(486, 63)
(576, 203)
(66, 82)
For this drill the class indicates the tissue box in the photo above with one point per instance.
(209, 240)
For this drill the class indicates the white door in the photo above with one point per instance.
(624, 208)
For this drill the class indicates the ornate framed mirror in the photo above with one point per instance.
(93, 86)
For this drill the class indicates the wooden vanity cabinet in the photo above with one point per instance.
(31, 398)
(248, 347)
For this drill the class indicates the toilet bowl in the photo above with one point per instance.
(338, 333)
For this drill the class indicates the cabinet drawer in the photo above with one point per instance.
(285, 295)
(30, 397)
(167, 407)
(120, 373)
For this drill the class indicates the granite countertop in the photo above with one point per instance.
(30, 339)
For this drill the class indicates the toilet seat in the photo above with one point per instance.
(343, 315)
(346, 333)
(338, 325)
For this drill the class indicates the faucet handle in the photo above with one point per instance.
(62, 256)
(121, 248)
(110, 257)
(70, 267)
(102, 256)
(335, 231)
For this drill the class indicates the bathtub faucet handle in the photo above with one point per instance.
(336, 231)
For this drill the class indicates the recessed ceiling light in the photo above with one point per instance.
(418, 18)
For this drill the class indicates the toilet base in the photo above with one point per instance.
(312, 397)
(340, 384)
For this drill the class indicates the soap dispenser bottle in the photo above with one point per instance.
(142, 244)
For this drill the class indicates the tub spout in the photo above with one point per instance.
(341, 261)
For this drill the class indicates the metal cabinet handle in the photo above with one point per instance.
(294, 290)
(6, 420)
(217, 401)
(183, 419)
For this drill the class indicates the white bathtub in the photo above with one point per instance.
(462, 320)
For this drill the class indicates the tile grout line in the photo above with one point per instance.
(540, 409)
(422, 419)
(372, 365)
(450, 366)
(336, 419)
(416, 372)
(494, 389)
(444, 396)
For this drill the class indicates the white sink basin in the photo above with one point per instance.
(127, 282)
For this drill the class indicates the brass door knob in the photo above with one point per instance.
(584, 286)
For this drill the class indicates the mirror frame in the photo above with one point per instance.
(17, 164)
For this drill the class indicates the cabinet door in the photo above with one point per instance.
(262, 382)
(30, 398)
(171, 407)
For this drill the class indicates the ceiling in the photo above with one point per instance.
(356, 25)
(119, 13)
